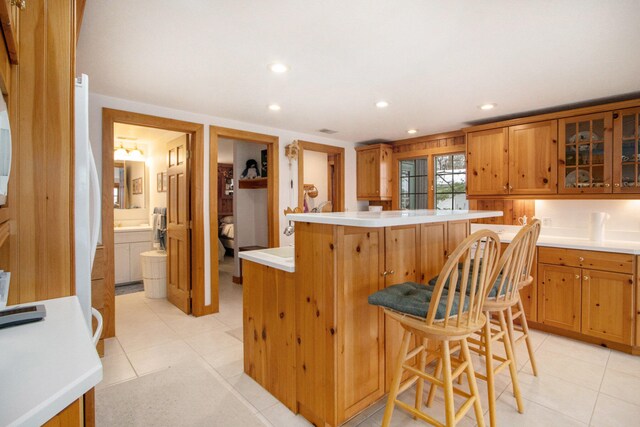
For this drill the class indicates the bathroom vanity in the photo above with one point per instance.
(129, 243)
(310, 336)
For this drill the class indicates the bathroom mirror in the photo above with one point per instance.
(129, 184)
(5, 151)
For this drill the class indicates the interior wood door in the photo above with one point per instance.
(488, 162)
(402, 264)
(560, 302)
(178, 226)
(533, 158)
(606, 305)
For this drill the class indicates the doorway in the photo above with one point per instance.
(265, 179)
(181, 181)
(320, 177)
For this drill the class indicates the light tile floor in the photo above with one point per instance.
(578, 384)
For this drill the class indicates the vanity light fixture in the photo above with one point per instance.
(412, 131)
(120, 153)
(136, 155)
(274, 107)
(278, 67)
(487, 107)
(382, 104)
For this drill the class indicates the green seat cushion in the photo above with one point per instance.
(492, 293)
(415, 299)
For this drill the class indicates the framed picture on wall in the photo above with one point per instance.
(136, 186)
(159, 183)
(263, 163)
(165, 181)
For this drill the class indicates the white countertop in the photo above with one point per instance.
(391, 218)
(128, 228)
(281, 258)
(507, 233)
(46, 365)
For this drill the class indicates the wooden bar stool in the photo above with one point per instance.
(517, 311)
(445, 317)
(513, 269)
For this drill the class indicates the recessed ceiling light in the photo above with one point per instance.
(487, 106)
(382, 104)
(277, 67)
(274, 107)
(412, 131)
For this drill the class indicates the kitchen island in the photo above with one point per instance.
(310, 336)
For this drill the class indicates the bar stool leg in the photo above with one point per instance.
(434, 387)
(397, 376)
(511, 330)
(473, 386)
(512, 361)
(491, 388)
(448, 385)
(422, 363)
(527, 339)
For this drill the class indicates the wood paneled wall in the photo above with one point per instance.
(430, 142)
(41, 105)
(512, 209)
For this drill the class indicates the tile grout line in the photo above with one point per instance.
(593, 412)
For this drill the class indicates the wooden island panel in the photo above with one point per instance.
(268, 330)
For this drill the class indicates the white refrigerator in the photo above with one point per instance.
(86, 199)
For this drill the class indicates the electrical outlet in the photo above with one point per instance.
(546, 222)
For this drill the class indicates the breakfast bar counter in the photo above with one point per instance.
(310, 337)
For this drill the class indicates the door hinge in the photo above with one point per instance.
(190, 293)
(188, 154)
(190, 224)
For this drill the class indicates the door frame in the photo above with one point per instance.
(338, 205)
(109, 118)
(273, 217)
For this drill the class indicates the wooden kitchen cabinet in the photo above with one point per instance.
(487, 162)
(584, 154)
(517, 160)
(588, 292)
(533, 158)
(607, 310)
(559, 302)
(402, 264)
(374, 172)
(626, 151)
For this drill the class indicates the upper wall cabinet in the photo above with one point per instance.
(533, 158)
(374, 172)
(585, 154)
(626, 151)
(518, 160)
(487, 162)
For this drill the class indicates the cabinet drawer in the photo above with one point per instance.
(133, 236)
(97, 271)
(607, 261)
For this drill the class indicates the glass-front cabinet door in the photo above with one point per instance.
(585, 152)
(626, 151)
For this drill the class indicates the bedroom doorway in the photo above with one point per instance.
(243, 208)
(320, 177)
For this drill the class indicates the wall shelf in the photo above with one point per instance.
(246, 184)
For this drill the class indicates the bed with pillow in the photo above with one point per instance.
(226, 232)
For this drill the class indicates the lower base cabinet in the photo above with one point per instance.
(588, 301)
(71, 416)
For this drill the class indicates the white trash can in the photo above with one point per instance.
(154, 273)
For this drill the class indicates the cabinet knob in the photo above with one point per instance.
(581, 259)
(504, 187)
(617, 184)
(577, 276)
(585, 278)
(607, 185)
(384, 273)
(392, 272)
(510, 188)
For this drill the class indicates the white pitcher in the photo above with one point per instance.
(596, 226)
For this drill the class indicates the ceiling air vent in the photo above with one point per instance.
(327, 131)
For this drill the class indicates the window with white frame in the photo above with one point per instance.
(414, 183)
(450, 182)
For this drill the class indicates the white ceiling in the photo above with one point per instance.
(434, 61)
(130, 135)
